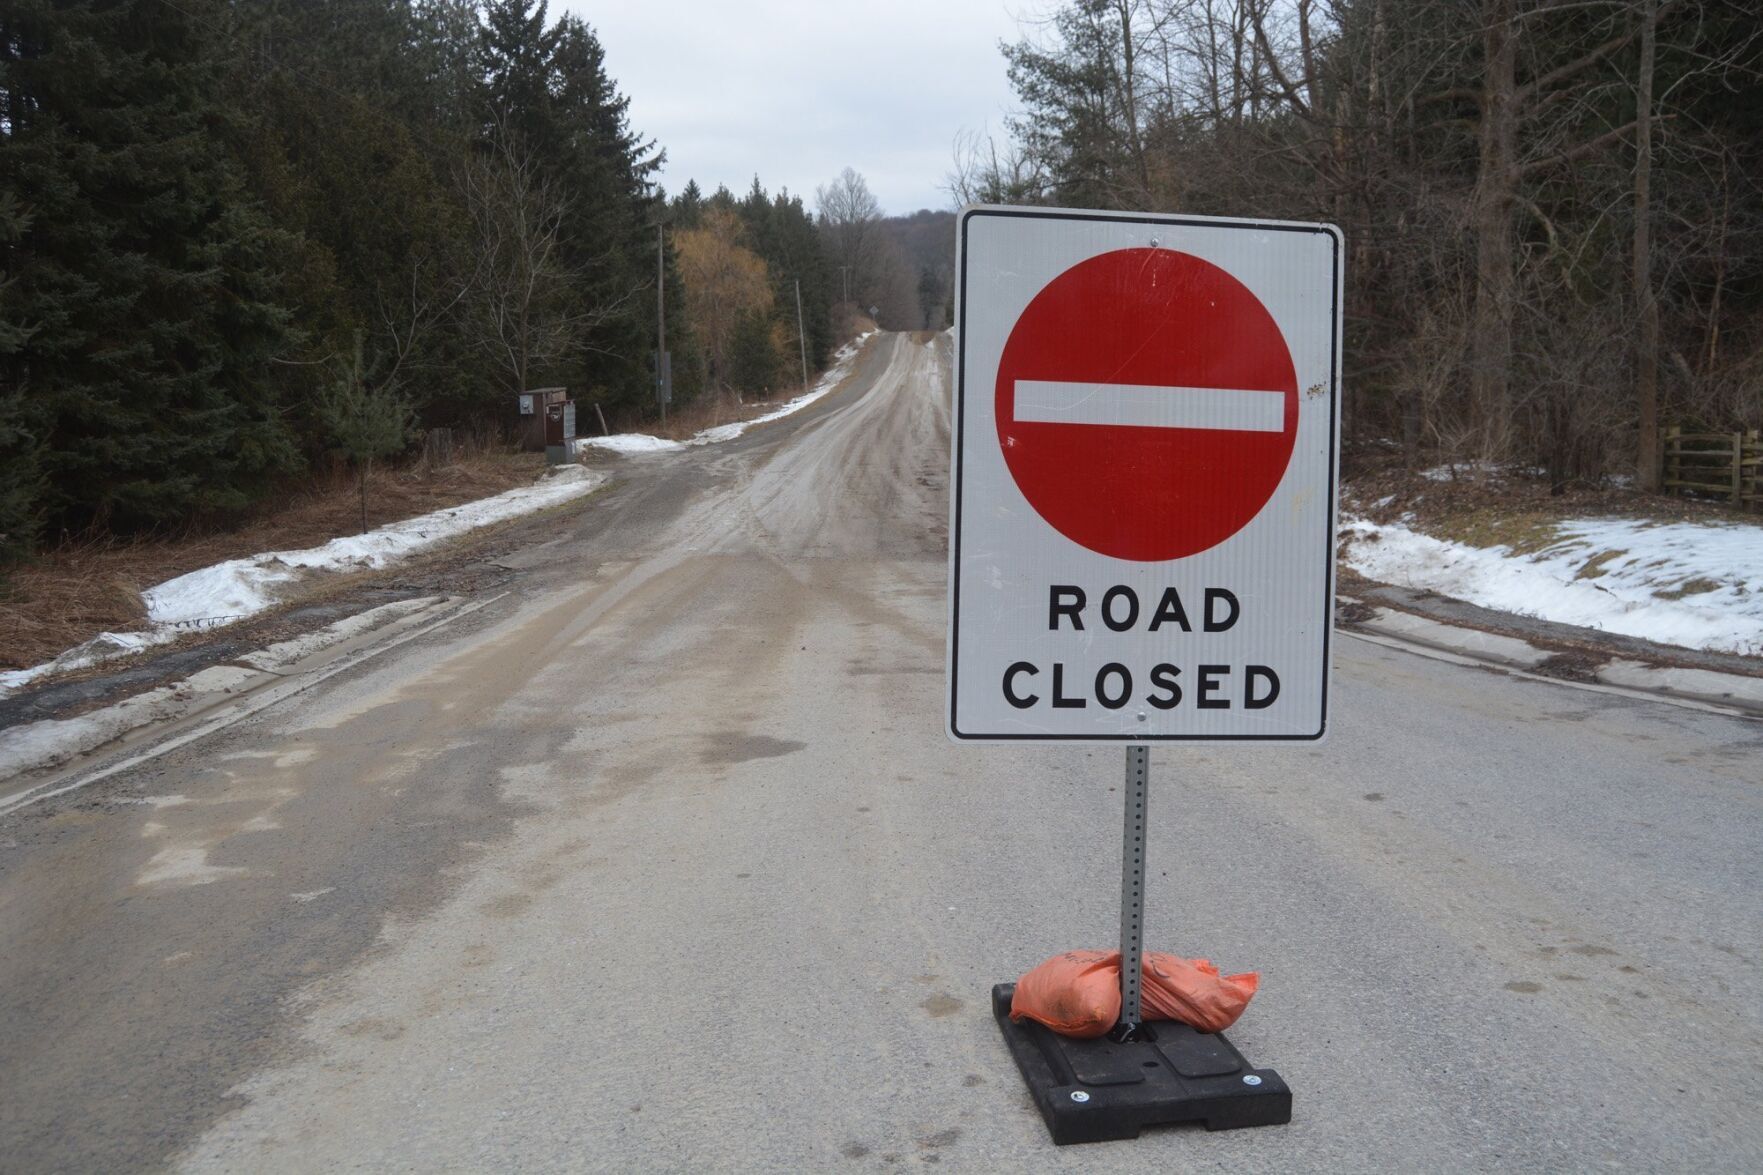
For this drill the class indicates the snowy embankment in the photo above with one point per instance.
(637, 442)
(1696, 585)
(231, 591)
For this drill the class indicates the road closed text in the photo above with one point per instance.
(1164, 685)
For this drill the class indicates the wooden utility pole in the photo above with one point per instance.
(661, 388)
(1646, 375)
(801, 334)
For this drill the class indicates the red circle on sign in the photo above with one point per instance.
(1182, 348)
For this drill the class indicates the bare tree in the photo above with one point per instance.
(1484, 158)
(985, 173)
(1646, 360)
(850, 218)
(411, 311)
(525, 304)
(724, 282)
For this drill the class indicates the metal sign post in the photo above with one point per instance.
(1132, 892)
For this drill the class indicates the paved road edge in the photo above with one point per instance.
(1703, 687)
(34, 754)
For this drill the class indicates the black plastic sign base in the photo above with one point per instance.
(1100, 1090)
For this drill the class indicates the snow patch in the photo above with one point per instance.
(637, 442)
(231, 591)
(241, 587)
(102, 647)
(50, 742)
(629, 442)
(1480, 471)
(1696, 585)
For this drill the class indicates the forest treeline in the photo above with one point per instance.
(240, 238)
(1553, 208)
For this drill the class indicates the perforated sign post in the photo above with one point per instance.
(1142, 517)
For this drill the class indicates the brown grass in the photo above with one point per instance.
(1512, 509)
(71, 594)
(710, 410)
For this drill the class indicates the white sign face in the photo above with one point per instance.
(1143, 501)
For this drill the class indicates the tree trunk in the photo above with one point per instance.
(1646, 368)
(363, 485)
(1557, 425)
(1496, 284)
(1130, 101)
(1712, 353)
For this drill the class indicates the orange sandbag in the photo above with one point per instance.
(1074, 994)
(1078, 993)
(1193, 992)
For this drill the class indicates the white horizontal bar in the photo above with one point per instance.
(1149, 406)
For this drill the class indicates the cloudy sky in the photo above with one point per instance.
(795, 90)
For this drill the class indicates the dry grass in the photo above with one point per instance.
(716, 408)
(71, 594)
(710, 410)
(1509, 508)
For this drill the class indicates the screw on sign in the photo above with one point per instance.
(1146, 404)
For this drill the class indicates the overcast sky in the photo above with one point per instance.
(795, 90)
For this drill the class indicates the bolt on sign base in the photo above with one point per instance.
(1101, 1090)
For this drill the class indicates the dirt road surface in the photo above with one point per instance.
(661, 861)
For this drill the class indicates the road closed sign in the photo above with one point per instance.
(1142, 514)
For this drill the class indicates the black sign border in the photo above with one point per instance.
(968, 215)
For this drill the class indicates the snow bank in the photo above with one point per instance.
(1698, 585)
(637, 442)
(241, 587)
(629, 442)
(231, 591)
(102, 647)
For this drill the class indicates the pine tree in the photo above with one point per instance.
(549, 86)
(355, 137)
(20, 443)
(515, 58)
(753, 361)
(142, 305)
(782, 233)
(365, 419)
(688, 206)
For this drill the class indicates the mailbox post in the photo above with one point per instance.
(559, 431)
(535, 411)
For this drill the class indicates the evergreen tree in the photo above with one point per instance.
(365, 419)
(142, 304)
(548, 84)
(753, 361)
(782, 232)
(515, 57)
(800, 252)
(688, 206)
(20, 445)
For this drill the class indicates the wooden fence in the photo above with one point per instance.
(1724, 464)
